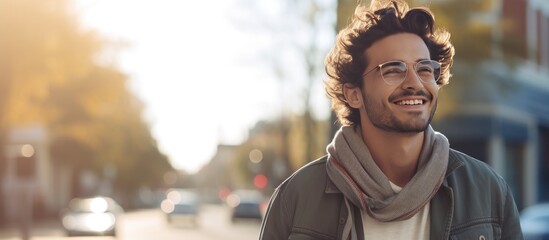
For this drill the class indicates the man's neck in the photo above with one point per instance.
(396, 154)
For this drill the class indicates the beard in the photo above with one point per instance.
(382, 118)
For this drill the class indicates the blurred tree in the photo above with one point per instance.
(37, 51)
(51, 73)
(472, 24)
(316, 140)
(298, 33)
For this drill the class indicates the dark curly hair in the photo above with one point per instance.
(346, 62)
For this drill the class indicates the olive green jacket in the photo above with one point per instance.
(474, 202)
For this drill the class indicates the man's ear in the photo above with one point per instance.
(353, 95)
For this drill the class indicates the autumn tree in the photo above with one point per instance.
(51, 73)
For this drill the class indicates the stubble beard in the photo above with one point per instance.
(387, 121)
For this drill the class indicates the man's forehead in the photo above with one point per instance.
(406, 47)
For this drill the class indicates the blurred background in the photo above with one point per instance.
(169, 119)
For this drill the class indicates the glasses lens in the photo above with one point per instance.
(393, 72)
(428, 70)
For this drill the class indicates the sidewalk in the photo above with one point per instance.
(44, 229)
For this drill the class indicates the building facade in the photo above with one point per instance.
(502, 116)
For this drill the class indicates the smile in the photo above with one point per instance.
(410, 102)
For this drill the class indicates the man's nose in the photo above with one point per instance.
(412, 80)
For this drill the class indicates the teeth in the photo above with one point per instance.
(410, 102)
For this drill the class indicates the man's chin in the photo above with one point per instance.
(401, 127)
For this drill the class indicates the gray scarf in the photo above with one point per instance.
(353, 171)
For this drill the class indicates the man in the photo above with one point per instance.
(388, 174)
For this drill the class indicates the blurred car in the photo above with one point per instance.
(534, 221)
(246, 204)
(181, 203)
(91, 216)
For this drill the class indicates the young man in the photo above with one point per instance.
(388, 174)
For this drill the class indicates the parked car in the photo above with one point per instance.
(182, 204)
(246, 204)
(534, 221)
(91, 216)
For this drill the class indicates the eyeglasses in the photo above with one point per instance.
(394, 72)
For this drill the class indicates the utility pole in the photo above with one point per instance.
(25, 171)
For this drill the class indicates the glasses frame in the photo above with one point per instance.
(378, 67)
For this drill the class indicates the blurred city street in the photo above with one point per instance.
(213, 223)
(225, 97)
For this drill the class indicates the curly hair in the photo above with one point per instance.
(346, 61)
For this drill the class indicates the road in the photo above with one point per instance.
(213, 223)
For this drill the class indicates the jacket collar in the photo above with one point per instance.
(454, 162)
(331, 187)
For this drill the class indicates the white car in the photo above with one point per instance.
(94, 216)
(534, 221)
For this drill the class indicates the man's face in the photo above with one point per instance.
(405, 107)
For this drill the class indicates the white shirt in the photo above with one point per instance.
(416, 227)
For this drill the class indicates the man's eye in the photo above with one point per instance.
(425, 70)
(393, 70)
